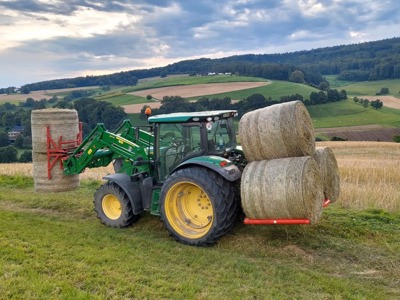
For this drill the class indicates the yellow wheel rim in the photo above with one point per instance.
(111, 207)
(189, 210)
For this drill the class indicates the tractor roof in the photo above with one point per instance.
(200, 116)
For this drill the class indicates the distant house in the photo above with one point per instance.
(12, 135)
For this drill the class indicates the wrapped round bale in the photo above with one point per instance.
(329, 171)
(286, 188)
(278, 131)
(62, 123)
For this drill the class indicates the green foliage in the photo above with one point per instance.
(396, 139)
(338, 138)
(63, 104)
(19, 141)
(384, 91)
(27, 142)
(121, 78)
(8, 120)
(8, 154)
(377, 104)
(26, 157)
(4, 140)
(297, 76)
(91, 112)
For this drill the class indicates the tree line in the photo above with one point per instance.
(171, 104)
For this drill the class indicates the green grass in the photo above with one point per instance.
(123, 99)
(348, 113)
(336, 83)
(53, 247)
(16, 102)
(366, 88)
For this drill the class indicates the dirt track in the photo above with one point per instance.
(388, 101)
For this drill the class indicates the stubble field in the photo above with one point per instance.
(370, 174)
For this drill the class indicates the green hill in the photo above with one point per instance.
(349, 113)
(275, 90)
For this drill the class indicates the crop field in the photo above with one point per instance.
(37, 95)
(199, 89)
(52, 245)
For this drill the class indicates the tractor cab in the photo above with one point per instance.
(182, 136)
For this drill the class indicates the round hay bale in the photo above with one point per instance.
(62, 122)
(58, 182)
(329, 172)
(278, 131)
(286, 188)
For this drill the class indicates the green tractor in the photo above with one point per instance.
(183, 167)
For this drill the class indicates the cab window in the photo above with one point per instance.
(176, 143)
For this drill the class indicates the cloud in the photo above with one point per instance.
(47, 39)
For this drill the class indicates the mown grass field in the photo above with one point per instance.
(349, 113)
(366, 88)
(53, 247)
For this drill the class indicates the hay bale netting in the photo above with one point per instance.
(329, 172)
(278, 131)
(62, 122)
(59, 182)
(286, 188)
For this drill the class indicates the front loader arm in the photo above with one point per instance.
(100, 148)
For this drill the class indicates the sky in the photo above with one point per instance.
(52, 39)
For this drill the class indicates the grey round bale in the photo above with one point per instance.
(329, 171)
(286, 188)
(278, 131)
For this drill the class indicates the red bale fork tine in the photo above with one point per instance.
(248, 221)
(58, 151)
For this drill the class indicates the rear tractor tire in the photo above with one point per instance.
(198, 206)
(113, 207)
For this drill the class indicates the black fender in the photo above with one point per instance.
(230, 172)
(131, 186)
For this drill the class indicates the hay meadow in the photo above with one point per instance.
(53, 247)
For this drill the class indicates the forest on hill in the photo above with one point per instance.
(356, 62)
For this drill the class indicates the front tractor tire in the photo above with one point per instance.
(112, 206)
(198, 206)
